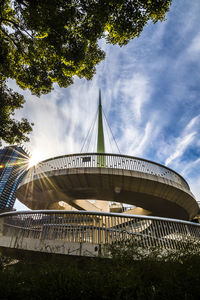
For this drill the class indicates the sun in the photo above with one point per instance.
(35, 158)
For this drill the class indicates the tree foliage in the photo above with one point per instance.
(11, 131)
(47, 41)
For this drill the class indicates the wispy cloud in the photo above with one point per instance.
(189, 167)
(136, 91)
(180, 145)
(194, 48)
(187, 138)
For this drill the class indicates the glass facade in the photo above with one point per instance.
(13, 166)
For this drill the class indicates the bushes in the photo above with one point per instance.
(125, 276)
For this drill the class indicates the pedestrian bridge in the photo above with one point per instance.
(89, 233)
(107, 177)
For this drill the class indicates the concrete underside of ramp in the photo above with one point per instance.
(51, 246)
(160, 196)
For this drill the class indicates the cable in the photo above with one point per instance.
(111, 132)
(95, 142)
(90, 137)
(107, 131)
(89, 131)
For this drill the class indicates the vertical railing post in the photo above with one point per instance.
(1, 226)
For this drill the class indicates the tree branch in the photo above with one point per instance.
(16, 26)
(14, 42)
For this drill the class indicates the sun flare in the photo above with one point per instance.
(35, 158)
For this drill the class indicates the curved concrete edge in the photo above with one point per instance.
(31, 176)
(54, 186)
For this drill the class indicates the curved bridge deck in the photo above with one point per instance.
(108, 177)
(88, 233)
(108, 161)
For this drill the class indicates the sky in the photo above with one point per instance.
(150, 95)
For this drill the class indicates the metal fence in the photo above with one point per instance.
(112, 161)
(100, 228)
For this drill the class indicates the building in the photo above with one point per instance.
(13, 165)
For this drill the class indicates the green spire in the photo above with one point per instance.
(100, 139)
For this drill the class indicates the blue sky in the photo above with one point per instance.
(150, 94)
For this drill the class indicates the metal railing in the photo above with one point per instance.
(100, 228)
(111, 161)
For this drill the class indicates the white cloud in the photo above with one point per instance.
(190, 166)
(180, 146)
(172, 149)
(194, 48)
(195, 122)
(136, 91)
(195, 187)
(145, 139)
